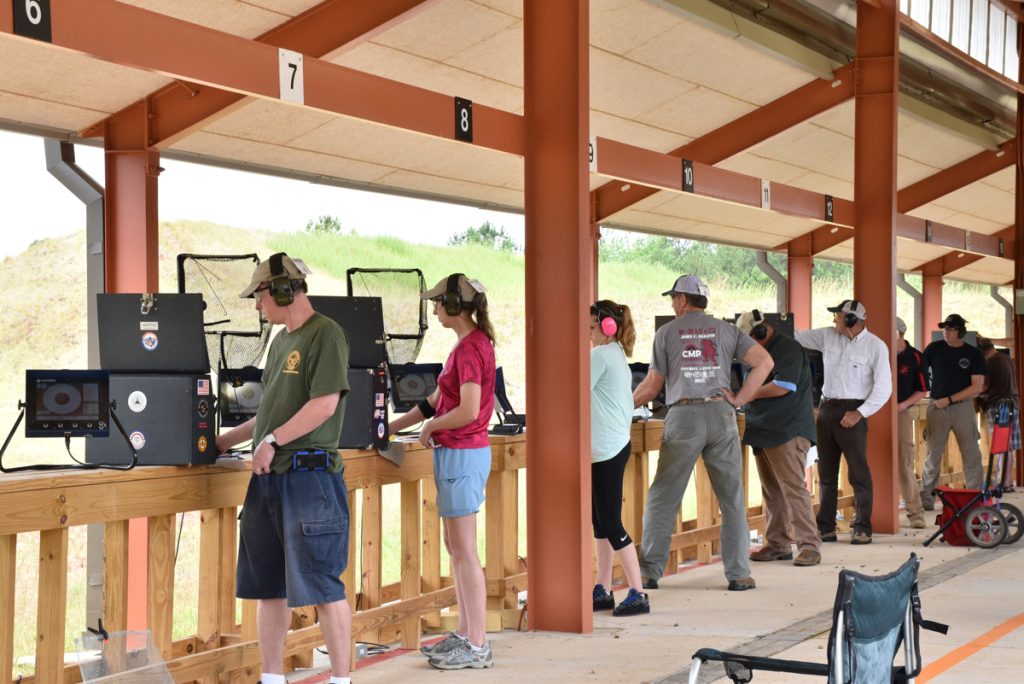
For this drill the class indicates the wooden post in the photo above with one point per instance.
(161, 582)
(52, 604)
(371, 546)
(115, 576)
(431, 567)
(8, 577)
(411, 548)
(705, 509)
(228, 563)
(210, 574)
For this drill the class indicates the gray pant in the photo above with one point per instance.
(690, 431)
(961, 419)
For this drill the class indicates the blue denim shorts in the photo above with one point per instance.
(293, 538)
(461, 478)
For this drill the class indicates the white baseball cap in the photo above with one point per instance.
(688, 284)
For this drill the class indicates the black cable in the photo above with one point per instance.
(177, 544)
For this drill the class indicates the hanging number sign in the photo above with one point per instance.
(766, 194)
(463, 120)
(687, 175)
(828, 208)
(32, 19)
(592, 154)
(290, 76)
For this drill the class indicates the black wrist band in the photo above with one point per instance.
(426, 409)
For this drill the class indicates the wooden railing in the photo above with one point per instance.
(224, 649)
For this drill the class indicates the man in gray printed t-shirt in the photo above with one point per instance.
(693, 358)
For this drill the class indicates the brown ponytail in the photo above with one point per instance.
(478, 312)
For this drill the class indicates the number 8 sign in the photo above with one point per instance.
(463, 120)
(32, 19)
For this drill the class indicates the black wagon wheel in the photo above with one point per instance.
(1014, 522)
(985, 527)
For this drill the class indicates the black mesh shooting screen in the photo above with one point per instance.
(405, 314)
(236, 335)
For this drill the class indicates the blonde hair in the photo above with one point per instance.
(626, 333)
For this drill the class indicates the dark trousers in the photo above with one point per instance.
(833, 441)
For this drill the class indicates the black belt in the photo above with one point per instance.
(848, 404)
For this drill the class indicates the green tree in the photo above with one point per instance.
(324, 224)
(486, 235)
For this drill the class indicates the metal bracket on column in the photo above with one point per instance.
(781, 284)
(901, 282)
(1007, 309)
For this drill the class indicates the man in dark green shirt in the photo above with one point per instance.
(293, 541)
(780, 429)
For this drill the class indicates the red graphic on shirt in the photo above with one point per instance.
(710, 351)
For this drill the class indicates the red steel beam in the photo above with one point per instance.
(874, 250)
(180, 108)
(959, 175)
(1018, 235)
(558, 279)
(734, 137)
(148, 40)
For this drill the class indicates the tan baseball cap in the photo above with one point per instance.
(295, 269)
(467, 288)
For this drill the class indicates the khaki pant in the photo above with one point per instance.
(908, 467)
(788, 507)
(961, 419)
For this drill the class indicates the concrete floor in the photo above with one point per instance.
(973, 590)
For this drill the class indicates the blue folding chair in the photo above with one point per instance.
(872, 617)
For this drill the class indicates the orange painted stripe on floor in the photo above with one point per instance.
(967, 650)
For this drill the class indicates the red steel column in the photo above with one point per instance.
(131, 266)
(800, 273)
(874, 247)
(1018, 234)
(559, 264)
(931, 302)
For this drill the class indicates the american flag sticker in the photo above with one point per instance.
(203, 387)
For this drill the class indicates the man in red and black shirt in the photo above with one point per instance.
(911, 386)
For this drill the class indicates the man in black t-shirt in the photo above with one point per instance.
(911, 386)
(958, 375)
(780, 429)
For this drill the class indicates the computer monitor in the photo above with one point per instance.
(163, 334)
(411, 383)
(61, 403)
(240, 391)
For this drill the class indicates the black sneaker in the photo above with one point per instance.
(603, 600)
(649, 583)
(635, 603)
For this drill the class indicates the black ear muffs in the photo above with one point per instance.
(280, 285)
(850, 319)
(451, 300)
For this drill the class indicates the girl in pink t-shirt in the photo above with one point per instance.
(457, 415)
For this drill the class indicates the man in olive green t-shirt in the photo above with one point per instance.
(293, 541)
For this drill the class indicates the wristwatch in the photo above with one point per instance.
(272, 441)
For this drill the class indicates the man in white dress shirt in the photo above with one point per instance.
(858, 382)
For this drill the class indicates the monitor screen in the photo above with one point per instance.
(411, 383)
(67, 402)
(240, 394)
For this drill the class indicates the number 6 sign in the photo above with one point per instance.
(32, 19)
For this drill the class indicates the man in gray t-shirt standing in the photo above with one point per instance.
(692, 359)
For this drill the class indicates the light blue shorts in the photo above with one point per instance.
(461, 478)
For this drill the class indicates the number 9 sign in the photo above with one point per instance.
(32, 19)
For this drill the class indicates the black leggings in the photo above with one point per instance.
(606, 495)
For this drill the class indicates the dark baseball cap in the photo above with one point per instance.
(953, 321)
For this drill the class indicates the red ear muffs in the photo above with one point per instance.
(609, 327)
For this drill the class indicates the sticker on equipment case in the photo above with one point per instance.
(150, 341)
(137, 439)
(202, 444)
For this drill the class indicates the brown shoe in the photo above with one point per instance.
(767, 553)
(807, 557)
(860, 538)
(742, 584)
